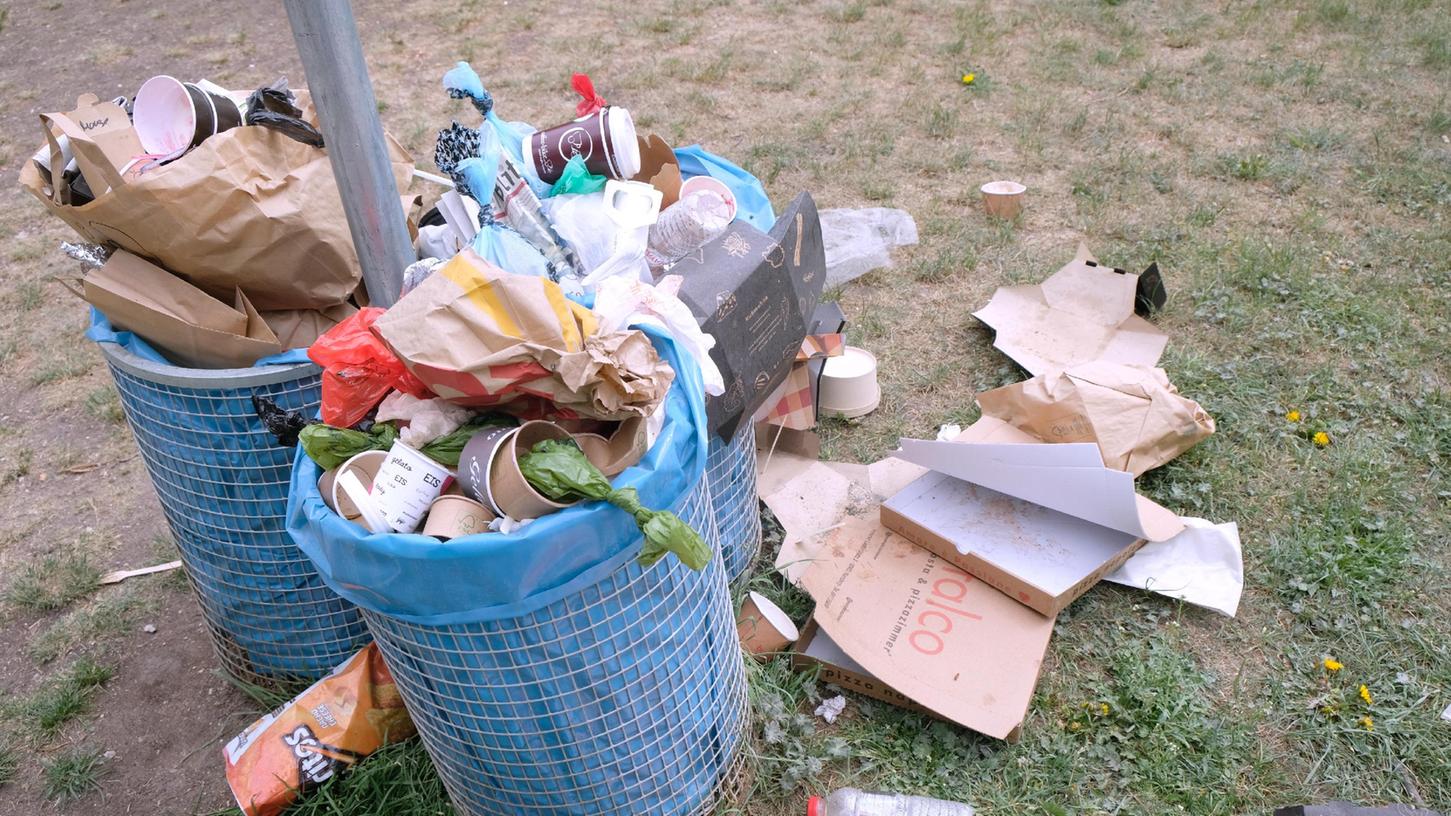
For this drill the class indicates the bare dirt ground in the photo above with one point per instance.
(1288, 162)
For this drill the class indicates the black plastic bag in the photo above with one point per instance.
(274, 106)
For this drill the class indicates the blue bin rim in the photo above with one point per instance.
(207, 378)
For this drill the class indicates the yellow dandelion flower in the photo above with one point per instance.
(1293, 416)
(968, 78)
(1331, 664)
(1103, 709)
(1321, 438)
(1365, 694)
(1367, 722)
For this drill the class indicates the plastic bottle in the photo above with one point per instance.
(852, 802)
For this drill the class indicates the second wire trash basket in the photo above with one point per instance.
(223, 484)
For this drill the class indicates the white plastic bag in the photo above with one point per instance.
(858, 241)
(427, 419)
(621, 301)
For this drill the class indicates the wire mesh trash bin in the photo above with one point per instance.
(546, 670)
(223, 483)
(730, 470)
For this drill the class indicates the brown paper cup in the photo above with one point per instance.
(509, 491)
(763, 627)
(605, 139)
(1003, 199)
(476, 459)
(596, 449)
(366, 465)
(456, 517)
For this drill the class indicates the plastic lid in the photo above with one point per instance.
(813, 807)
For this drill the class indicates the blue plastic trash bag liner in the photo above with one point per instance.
(730, 470)
(546, 670)
(223, 484)
(752, 204)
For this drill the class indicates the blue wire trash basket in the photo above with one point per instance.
(223, 483)
(730, 470)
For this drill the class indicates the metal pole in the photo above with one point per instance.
(337, 77)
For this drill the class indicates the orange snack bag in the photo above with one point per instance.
(321, 732)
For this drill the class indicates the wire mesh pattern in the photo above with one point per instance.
(626, 697)
(730, 470)
(223, 483)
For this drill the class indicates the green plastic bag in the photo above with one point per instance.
(577, 179)
(330, 447)
(560, 471)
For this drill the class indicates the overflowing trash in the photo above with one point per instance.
(588, 310)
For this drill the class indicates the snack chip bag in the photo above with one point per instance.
(320, 733)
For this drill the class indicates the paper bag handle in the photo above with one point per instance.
(81, 146)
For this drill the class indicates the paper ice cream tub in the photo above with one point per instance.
(848, 386)
(1003, 199)
(456, 517)
(365, 465)
(509, 492)
(406, 485)
(764, 628)
(605, 140)
(597, 450)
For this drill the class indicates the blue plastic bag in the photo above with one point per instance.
(463, 82)
(417, 578)
(752, 204)
(497, 243)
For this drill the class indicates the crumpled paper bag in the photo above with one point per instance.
(1134, 414)
(480, 336)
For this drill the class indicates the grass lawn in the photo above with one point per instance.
(1286, 162)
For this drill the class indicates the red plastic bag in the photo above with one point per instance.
(359, 370)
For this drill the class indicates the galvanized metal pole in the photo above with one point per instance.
(337, 77)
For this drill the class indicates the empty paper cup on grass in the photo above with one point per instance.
(456, 517)
(848, 386)
(406, 485)
(763, 627)
(509, 492)
(1003, 199)
(171, 116)
(365, 465)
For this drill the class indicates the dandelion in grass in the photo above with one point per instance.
(1321, 438)
(1292, 416)
(1365, 694)
(1367, 722)
(967, 79)
(1332, 665)
(1103, 709)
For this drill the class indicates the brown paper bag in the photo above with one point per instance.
(102, 141)
(1137, 418)
(188, 326)
(477, 335)
(249, 208)
(300, 328)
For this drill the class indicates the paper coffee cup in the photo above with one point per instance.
(456, 517)
(406, 485)
(764, 628)
(1003, 199)
(848, 386)
(597, 450)
(605, 140)
(475, 461)
(171, 116)
(365, 465)
(509, 491)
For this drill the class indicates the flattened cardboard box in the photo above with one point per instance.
(926, 629)
(1040, 557)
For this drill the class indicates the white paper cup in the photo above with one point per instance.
(171, 116)
(1003, 199)
(406, 485)
(848, 385)
(764, 628)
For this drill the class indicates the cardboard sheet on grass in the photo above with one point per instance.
(477, 335)
(1133, 413)
(1083, 312)
(249, 208)
(188, 325)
